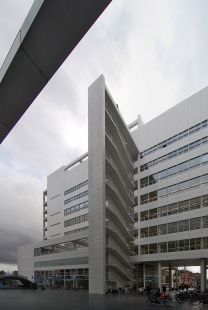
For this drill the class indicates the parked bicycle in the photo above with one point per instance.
(163, 298)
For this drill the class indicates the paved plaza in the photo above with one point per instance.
(18, 299)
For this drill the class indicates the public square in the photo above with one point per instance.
(19, 299)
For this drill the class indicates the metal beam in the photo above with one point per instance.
(49, 34)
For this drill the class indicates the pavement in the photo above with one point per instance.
(22, 299)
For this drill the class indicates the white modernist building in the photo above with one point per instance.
(135, 203)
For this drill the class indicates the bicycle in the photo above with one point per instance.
(153, 299)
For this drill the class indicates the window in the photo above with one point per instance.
(183, 166)
(205, 200)
(144, 182)
(172, 246)
(153, 213)
(183, 206)
(183, 185)
(162, 247)
(144, 249)
(183, 225)
(205, 221)
(195, 203)
(172, 209)
(152, 231)
(195, 244)
(183, 245)
(162, 192)
(205, 158)
(162, 174)
(204, 124)
(153, 248)
(172, 188)
(172, 170)
(144, 199)
(162, 211)
(144, 216)
(195, 181)
(205, 178)
(153, 196)
(153, 179)
(195, 161)
(195, 223)
(144, 232)
(172, 227)
(162, 229)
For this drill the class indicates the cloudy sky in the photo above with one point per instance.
(153, 54)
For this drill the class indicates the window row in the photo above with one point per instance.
(76, 220)
(62, 262)
(185, 166)
(175, 153)
(76, 208)
(83, 194)
(174, 139)
(174, 227)
(76, 230)
(175, 246)
(60, 272)
(173, 189)
(174, 208)
(76, 187)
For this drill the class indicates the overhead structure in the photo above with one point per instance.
(49, 34)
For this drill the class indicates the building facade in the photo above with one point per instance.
(135, 203)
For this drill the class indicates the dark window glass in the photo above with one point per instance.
(195, 161)
(172, 227)
(172, 188)
(144, 182)
(153, 196)
(162, 174)
(195, 223)
(195, 203)
(183, 206)
(162, 192)
(195, 181)
(172, 246)
(150, 164)
(185, 133)
(205, 178)
(204, 158)
(183, 185)
(185, 148)
(174, 153)
(153, 178)
(172, 170)
(183, 166)
(183, 225)
(144, 199)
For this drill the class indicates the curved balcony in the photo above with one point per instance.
(111, 213)
(119, 240)
(112, 146)
(111, 169)
(120, 140)
(112, 190)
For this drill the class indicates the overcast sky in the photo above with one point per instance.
(153, 55)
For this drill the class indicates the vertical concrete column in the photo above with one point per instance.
(159, 275)
(170, 278)
(203, 274)
(96, 186)
(177, 278)
(144, 275)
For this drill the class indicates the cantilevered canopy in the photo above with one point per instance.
(49, 34)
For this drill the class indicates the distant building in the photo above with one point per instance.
(135, 203)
